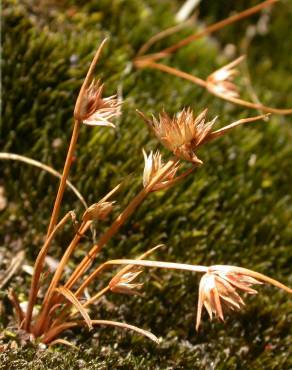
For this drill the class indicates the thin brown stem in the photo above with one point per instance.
(51, 334)
(159, 264)
(14, 300)
(63, 182)
(213, 28)
(248, 104)
(161, 35)
(66, 313)
(120, 220)
(180, 177)
(222, 131)
(173, 71)
(206, 85)
(76, 128)
(57, 276)
(93, 275)
(44, 167)
(85, 263)
(38, 267)
(96, 296)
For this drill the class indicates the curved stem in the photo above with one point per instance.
(214, 27)
(161, 35)
(159, 264)
(51, 334)
(140, 63)
(44, 167)
(208, 86)
(248, 104)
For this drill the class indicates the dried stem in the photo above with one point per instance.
(159, 264)
(248, 104)
(51, 334)
(15, 264)
(213, 28)
(161, 35)
(99, 294)
(56, 278)
(103, 266)
(120, 220)
(198, 81)
(222, 131)
(95, 297)
(75, 302)
(173, 71)
(74, 138)
(38, 267)
(44, 167)
(123, 325)
(67, 166)
(14, 300)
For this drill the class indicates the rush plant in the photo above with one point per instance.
(65, 305)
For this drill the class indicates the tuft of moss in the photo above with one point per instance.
(235, 210)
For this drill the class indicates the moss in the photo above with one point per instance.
(235, 210)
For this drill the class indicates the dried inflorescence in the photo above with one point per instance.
(96, 110)
(221, 81)
(217, 291)
(98, 211)
(123, 282)
(182, 133)
(153, 165)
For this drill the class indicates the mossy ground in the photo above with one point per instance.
(235, 210)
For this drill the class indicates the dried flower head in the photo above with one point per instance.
(153, 164)
(220, 81)
(217, 290)
(96, 110)
(98, 211)
(184, 133)
(181, 134)
(122, 282)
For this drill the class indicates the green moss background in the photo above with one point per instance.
(235, 210)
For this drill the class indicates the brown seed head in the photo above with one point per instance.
(98, 211)
(153, 164)
(217, 290)
(220, 81)
(122, 282)
(183, 133)
(96, 110)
